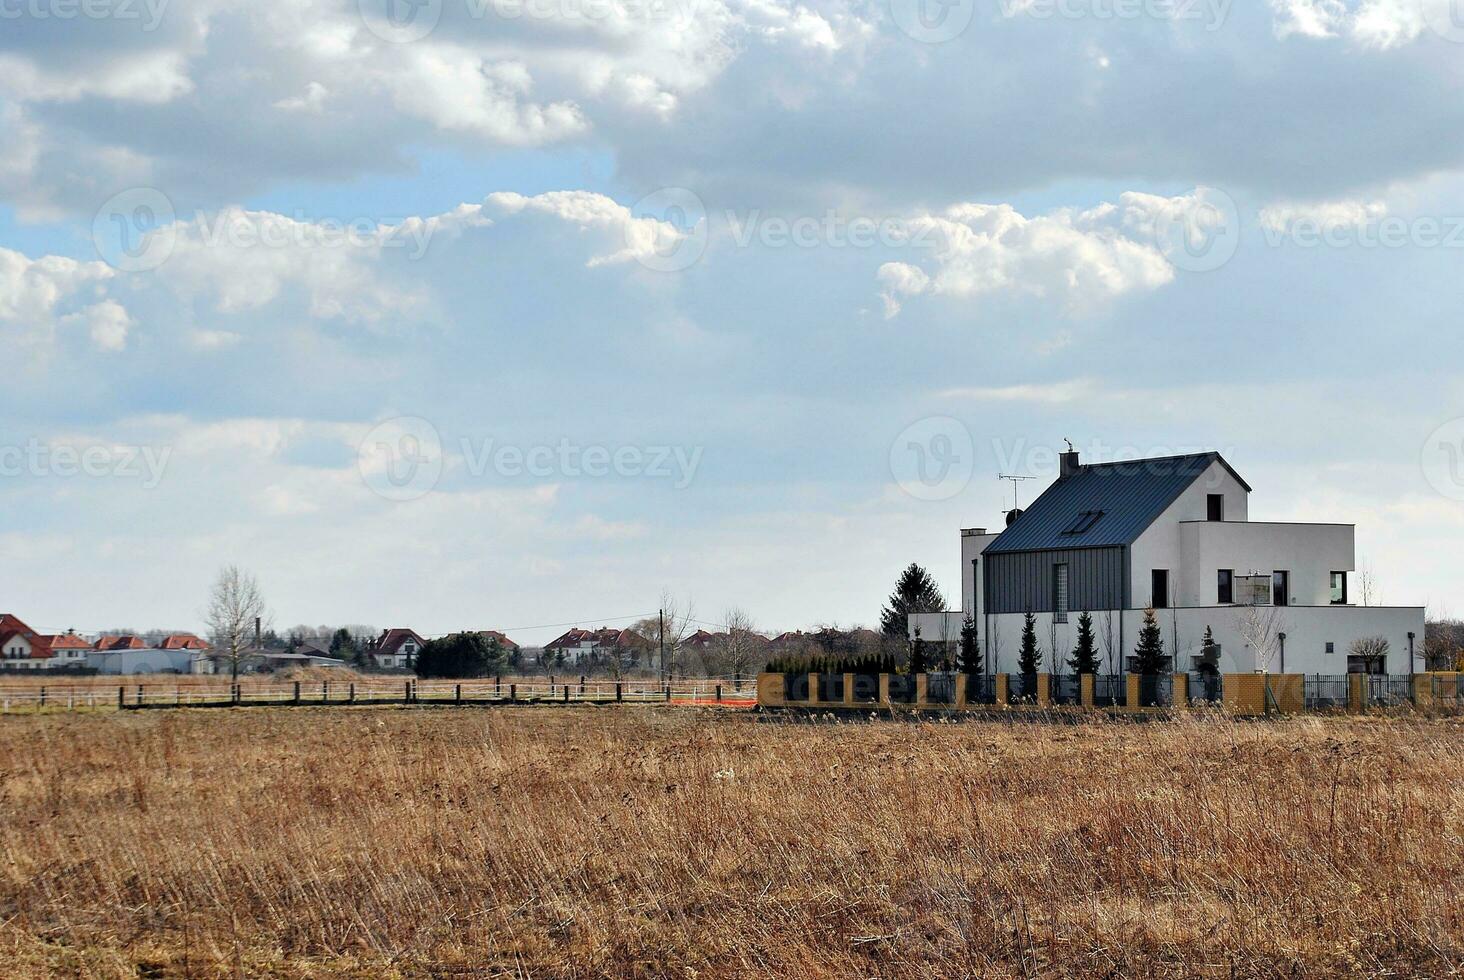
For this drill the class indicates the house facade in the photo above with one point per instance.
(1173, 534)
(396, 649)
(580, 646)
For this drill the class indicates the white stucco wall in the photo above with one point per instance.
(1308, 552)
(1308, 629)
(972, 545)
(1159, 545)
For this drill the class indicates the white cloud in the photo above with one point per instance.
(1081, 258)
(1372, 24)
(31, 288)
(1054, 393)
(1281, 216)
(106, 323)
(630, 238)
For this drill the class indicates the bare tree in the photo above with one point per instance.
(1373, 651)
(233, 607)
(1367, 583)
(666, 631)
(1261, 628)
(743, 647)
(993, 646)
(1106, 637)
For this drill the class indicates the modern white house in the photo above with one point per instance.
(1173, 534)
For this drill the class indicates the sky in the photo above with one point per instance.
(468, 314)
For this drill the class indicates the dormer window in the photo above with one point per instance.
(1083, 522)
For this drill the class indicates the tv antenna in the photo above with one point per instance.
(1016, 482)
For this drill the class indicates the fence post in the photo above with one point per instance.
(618, 695)
(407, 693)
(42, 702)
(139, 694)
(513, 692)
(498, 687)
(582, 685)
(121, 696)
(325, 690)
(566, 693)
(457, 694)
(297, 692)
(719, 691)
(668, 693)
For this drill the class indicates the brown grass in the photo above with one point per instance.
(618, 842)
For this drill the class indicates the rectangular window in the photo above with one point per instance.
(1339, 588)
(1060, 593)
(1215, 507)
(1225, 586)
(1280, 588)
(1159, 588)
(1331, 647)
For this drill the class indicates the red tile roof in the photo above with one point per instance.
(119, 643)
(182, 641)
(496, 635)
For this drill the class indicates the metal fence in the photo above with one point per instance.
(981, 689)
(1110, 690)
(1022, 689)
(940, 688)
(1325, 691)
(1206, 688)
(1155, 690)
(1389, 689)
(1067, 689)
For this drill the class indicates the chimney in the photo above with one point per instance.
(1067, 463)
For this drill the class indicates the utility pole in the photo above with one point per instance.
(661, 633)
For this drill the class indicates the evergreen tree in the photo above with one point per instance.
(917, 654)
(915, 592)
(1030, 658)
(970, 662)
(1085, 655)
(459, 655)
(1149, 654)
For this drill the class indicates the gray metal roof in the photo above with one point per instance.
(1128, 495)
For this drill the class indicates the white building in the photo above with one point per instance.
(1172, 534)
(150, 660)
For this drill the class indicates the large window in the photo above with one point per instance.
(1060, 593)
(1215, 507)
(1159, 588)
(1280, 588)
(1225, 586)
(1339, 588)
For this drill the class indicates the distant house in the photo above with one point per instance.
(593, 646)
(22, 648)
(112, 643)
(503, 641)
(183, 641)
(271, 660)
(1171, 537)
(395, 649)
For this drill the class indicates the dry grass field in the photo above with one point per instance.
(548, 842)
